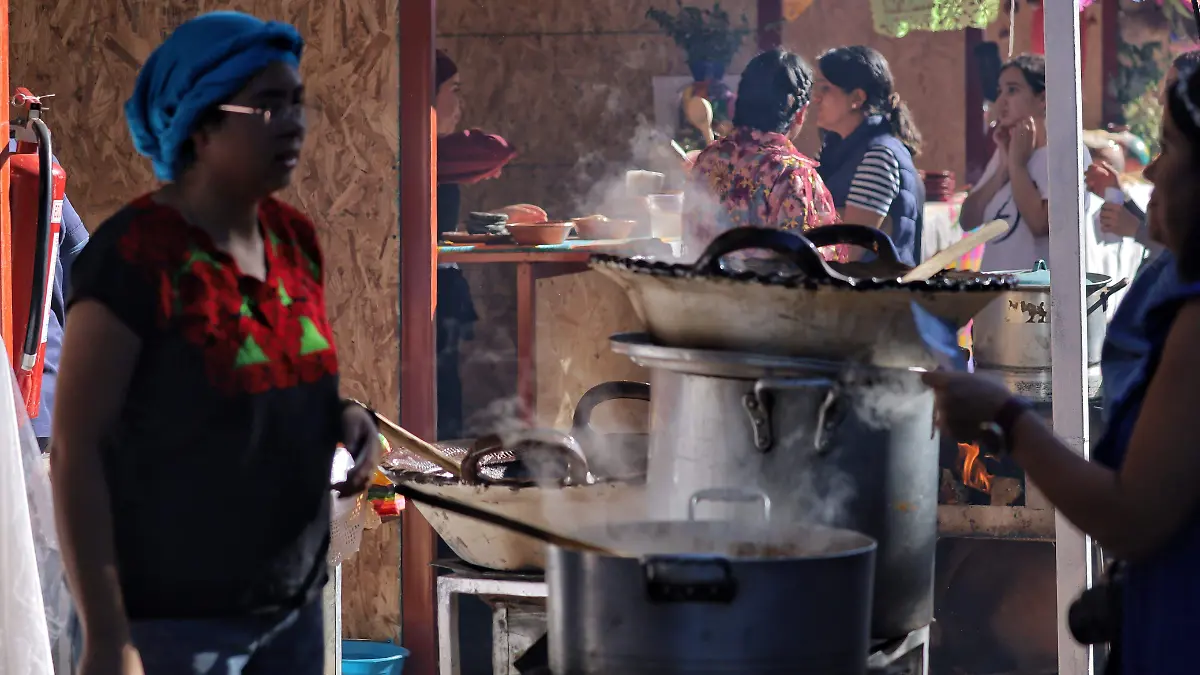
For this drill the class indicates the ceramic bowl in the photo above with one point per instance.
(540, 234)
(601, 227)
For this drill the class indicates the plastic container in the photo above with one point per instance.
(640, 183)
(666, 215)
(362, 657)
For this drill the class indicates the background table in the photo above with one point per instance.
(542, 262)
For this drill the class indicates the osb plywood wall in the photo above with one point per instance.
(87, 54)
(566, 82)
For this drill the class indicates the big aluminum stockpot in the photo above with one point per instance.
(829, 443)
(751, 598)
(1013, 331)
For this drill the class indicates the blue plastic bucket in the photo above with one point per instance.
(362, 657)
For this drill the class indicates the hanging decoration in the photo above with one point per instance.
(897, 18)
(1181, 16)
(792, 9)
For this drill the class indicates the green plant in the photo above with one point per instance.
(705, 34)
(1144, 117)
(1135, 88)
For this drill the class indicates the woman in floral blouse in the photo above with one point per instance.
(755, 177)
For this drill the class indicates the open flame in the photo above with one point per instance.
(974, 473)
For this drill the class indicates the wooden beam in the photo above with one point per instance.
(1110, 38)
(6, 298)
(978, 142)
(418, 302)
(770, 24)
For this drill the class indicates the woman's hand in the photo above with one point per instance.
(1002, 136)
(362, 440)
(490, 176)
(1101, 176)
(1116, 219)
(109, 658)
(965, 402)
(1023, 141)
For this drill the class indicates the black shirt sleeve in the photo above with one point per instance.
(108, 272)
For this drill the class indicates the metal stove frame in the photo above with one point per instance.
(514, 626)
(906, 656)
(515, 599)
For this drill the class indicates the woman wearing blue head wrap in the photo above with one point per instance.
(198, 412)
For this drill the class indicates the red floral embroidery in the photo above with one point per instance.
(251, 333)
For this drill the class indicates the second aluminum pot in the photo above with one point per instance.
(711, 597)
(1014, 331)
(829, 444)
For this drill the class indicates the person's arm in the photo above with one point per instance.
(995, 176)
(98, 357)
(874, 187)
(1033, 207)
(1135, 511)
(74, 238)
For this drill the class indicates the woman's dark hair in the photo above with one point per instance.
(444, 68)
(1180, 110)
(859, 67)
(1186, 61)
(1033, 69)
(775, 86)
(209, 119)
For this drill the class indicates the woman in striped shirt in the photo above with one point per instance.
(868, 143)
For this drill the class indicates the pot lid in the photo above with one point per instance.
(1039, 277)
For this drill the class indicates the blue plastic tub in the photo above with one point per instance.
(361, 657)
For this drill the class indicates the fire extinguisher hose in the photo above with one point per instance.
(41, 266)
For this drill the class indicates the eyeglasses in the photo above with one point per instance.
(269, 115)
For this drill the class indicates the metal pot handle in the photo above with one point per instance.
(691, 578)
(1106, 293)
(758, 408)
(522, 441)
(581, 421)
(729, 495)
(793, 247)
(871, 238)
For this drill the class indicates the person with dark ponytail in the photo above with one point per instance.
(869, 140)
(1138, 498)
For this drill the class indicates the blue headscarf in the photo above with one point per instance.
(204, 62)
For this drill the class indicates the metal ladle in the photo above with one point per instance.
(409, 492)
(402, 438)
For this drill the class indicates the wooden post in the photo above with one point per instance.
(418, 301)
(6, 298)
(331, 601)
(979, 144)
(1110, 38)
(1064, 118)
(770, 24)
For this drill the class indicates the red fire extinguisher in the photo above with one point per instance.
(37, 188)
